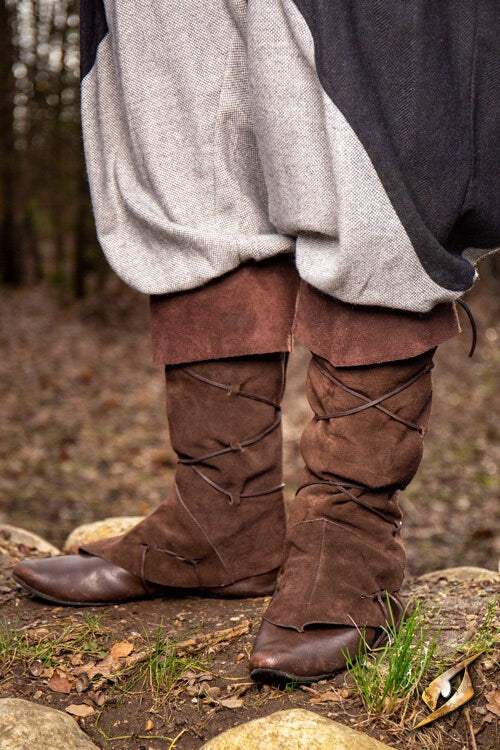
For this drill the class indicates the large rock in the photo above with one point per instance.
(16, 535)
(26, 725)
(99, 530)
(295, 729)
(463, 573)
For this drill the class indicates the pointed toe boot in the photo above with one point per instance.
(344, 559)
(283, 654)
(221, 530)
(87, 580)
(80, 580)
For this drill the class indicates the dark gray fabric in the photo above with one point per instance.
(419, 82)
(93, 29)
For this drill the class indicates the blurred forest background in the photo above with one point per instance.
(46, 230)
(83, 433)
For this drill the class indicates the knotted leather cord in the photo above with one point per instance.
(345, 491)
(346, 487)
(473, 325)
(378, 597)
(233, 390)
(375, 403)
(145, 549)
(190, 561)
(381, 596)
(229, 494)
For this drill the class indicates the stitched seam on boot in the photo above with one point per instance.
(318, 560)
(201, 529)
(341, 526)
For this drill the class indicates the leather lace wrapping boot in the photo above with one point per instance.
(344, 560)
(221, 530)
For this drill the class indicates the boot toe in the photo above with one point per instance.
(28, 574)
(78, 579)
(282, 654)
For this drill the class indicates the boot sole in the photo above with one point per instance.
(65, 603)
(275, 677)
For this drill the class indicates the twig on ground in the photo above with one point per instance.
(471, 728)
(195, 643)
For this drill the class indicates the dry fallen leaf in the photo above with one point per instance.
(149, 726)
(81, 710)
(232, 703)
(493, 701)
(59, 684)
(85, 668)
(121, 649)
(106, 668)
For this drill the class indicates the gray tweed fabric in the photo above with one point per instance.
(213, 136)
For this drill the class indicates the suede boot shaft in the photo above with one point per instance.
(344, 552)
(223, 520)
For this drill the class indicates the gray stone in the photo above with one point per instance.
(99, 530)
(463, 573)
(17, 535)
(295, 729)
(26, 725)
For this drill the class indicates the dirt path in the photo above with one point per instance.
(207, 688)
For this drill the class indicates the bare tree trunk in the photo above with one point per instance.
(11, 251)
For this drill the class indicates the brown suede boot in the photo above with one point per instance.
(344, 559)
(221, 530)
